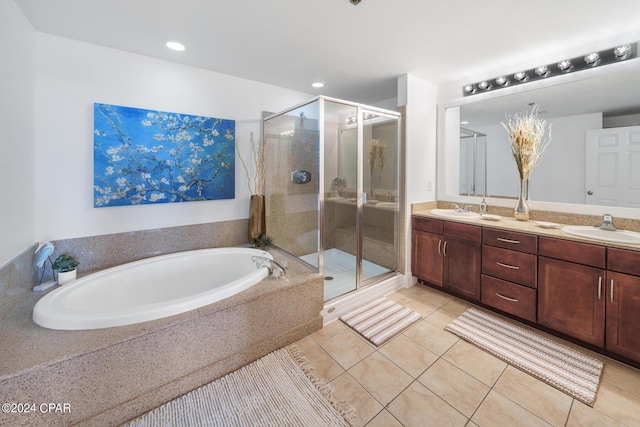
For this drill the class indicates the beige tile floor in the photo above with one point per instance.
(428, 377)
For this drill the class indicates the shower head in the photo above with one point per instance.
(355, 2)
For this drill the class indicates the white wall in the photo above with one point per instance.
(73, 75)
(17, 132)
(420, 98)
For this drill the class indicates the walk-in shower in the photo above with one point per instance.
(332, 188)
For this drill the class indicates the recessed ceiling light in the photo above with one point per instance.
(464, 122)
(317, 84)
(179, 47)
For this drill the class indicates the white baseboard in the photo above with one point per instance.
(335, 308)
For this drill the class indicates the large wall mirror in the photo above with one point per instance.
(592, 161)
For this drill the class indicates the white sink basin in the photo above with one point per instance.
(450, 213)
(588, 232)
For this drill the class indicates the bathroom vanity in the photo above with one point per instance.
(588, 291)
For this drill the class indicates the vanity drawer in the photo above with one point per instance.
(518, 267)
(580, 253)
(510, 240)
(509, 297)
(427, 224)
(463, 231)
(623, 261)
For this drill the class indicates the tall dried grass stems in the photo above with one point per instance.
(376, 160)
(255, 183)
(527, 136)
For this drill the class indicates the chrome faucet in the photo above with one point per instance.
(607, 223)
(275, 269)
(459, 209)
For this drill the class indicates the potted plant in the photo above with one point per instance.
(66, 266)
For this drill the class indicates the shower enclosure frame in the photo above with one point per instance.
(399, 235)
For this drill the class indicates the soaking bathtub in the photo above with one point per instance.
(150, 289)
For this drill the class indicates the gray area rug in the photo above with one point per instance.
(562, 367)
(381, 320)
(276, 390)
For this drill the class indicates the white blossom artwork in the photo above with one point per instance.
(145, 156)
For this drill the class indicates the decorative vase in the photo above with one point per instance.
(521, 211)
(67, 276)
(257, 227)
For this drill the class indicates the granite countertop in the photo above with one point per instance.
(529, 227)
(27, 346)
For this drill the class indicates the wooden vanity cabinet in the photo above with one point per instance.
(623, 303)
(426, 242)
(509, 270)
(447, 254)
(571, 289)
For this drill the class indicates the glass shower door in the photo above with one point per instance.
(380, 183)
(340, 219)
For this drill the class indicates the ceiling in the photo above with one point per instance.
(357, 51)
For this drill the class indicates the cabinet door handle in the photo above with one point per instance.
(517, 242)
(612, 290)
(507, 298)
(440, 247)
(599, 288)
(513, 267)
(444, 248)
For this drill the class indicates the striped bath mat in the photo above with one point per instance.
(276, 390)
(381, 320)
(564, 368)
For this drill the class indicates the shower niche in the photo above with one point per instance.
(344, 218)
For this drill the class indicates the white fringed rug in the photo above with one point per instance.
(562, 367)
(381, 320)
(276, 390)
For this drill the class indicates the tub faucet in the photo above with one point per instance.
(275, 269)
(607, 223)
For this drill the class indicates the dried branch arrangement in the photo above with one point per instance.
(527, 137)
(255, 183)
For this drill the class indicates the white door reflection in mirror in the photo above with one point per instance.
(613, 167)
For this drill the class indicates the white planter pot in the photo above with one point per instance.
(67, 276)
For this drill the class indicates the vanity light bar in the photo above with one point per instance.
(571, 65)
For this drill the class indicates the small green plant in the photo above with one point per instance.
(265, 241)
(64, 263)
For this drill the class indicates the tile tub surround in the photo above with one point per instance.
(112, 375)
(16, 279)
(99, 252)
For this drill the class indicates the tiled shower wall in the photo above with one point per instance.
(100, 252)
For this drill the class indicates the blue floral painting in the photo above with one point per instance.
(145, 156)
